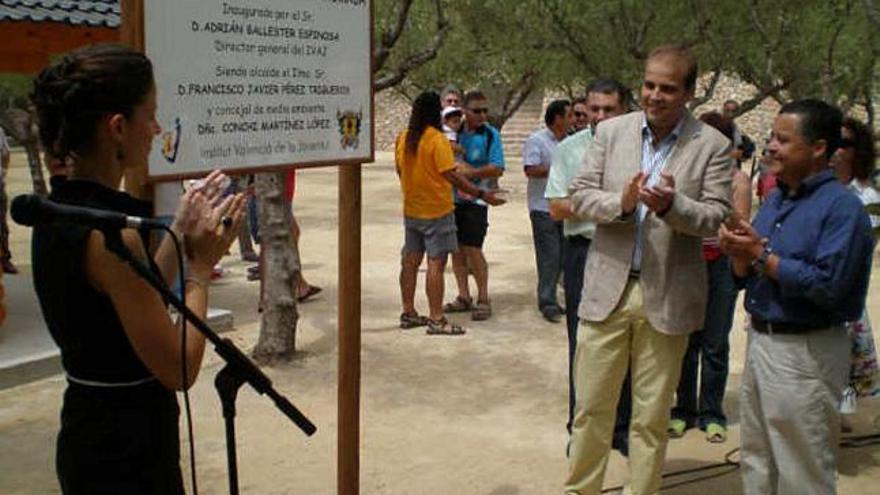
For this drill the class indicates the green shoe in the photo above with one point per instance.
(716, 433)
(676, 428)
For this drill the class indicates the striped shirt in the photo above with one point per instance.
(653, 163)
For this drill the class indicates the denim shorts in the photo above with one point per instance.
(435, 237)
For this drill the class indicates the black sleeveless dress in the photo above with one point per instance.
(119, 424)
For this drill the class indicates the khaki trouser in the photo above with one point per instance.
(791, 391)
(604, 351)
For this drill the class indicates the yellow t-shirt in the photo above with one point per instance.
(426, 194)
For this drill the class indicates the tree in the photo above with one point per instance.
(407, 38)
(19, 120)
(281, 262)
(409, 33)
(481, 52)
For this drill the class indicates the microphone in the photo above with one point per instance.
(31, 209)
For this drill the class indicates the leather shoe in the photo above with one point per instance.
(552, 315)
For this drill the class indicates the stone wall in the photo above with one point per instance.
(392, 111)
(756, 123)
(392, 115)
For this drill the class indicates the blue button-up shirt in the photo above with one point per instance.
(653, 162)
(823, 239)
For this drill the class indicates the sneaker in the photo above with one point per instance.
(716, 433)
(676, 428)
(552, 314)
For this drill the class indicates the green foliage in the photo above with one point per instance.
(818, 48)
(14, 90)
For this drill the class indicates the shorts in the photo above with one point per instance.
(435, 237)
(472, 221)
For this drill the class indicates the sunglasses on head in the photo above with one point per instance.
(479, 110)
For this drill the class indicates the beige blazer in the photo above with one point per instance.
(673, 273)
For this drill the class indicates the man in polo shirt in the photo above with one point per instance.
(484, 163)
(537, 157)
(654, 182)
(606, 98)
(806, 260)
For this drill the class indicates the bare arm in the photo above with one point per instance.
(560, 209)
(467, 187)
(154, 337)
(742, 195)
(536, 171)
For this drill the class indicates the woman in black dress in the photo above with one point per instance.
(121, 352)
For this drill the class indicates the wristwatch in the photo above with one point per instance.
(759, 264)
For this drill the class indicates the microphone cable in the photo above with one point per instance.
(183, 364)
(728, 463)
(848, 442)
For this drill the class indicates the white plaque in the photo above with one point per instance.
(255, 84)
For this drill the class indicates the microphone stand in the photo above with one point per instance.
(239, 368)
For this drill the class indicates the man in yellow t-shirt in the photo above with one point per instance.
(426, 167)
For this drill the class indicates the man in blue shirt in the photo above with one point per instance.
(484, 163)
(806, 262)
(537, 156)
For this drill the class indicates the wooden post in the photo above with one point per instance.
(131, 33)
(349, 321)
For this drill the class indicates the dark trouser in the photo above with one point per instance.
(547, 234)
(4, 227)
(119, 440)
(708, 349)
(574, 261)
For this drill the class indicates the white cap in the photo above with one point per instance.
(450, 110)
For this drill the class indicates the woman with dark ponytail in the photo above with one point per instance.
(427, 171)
(121, 352)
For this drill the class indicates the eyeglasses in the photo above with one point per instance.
(847, 143)
(581, 114)
(479, 111)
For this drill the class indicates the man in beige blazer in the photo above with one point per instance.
(655, 182)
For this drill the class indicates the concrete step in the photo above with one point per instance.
(27, 351)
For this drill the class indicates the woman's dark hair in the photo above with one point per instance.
(863, 145)
(425, 113)
(73, 95)
(720, 122)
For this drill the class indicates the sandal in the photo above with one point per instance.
(412, 320)
(459, 305)
(482, 311)
(311, 291)
(676, 428)
(716, 433)
(444, 327)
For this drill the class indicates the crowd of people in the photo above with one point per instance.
(644, 214)
(647, 218)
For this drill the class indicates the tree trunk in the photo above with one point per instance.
(22, 126)
(277, 340)
(36, 167)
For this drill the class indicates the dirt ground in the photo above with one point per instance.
(482, 414)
